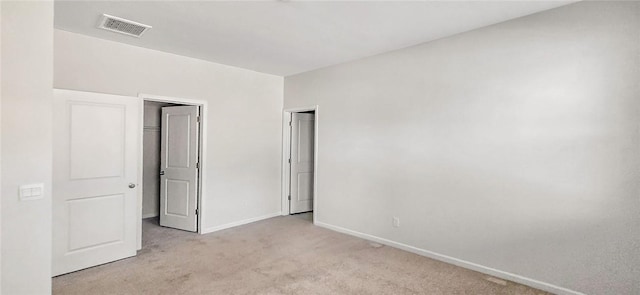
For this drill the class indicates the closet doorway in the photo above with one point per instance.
(172, 152)
(299, 167)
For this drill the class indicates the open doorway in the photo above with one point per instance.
(172, 158)
(299, 167)
(171, 164)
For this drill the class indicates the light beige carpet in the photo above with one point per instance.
(282, 255)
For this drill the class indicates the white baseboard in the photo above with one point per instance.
(455, 261)
(237, 223)
(149, 215)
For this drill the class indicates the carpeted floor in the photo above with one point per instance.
(282, 255)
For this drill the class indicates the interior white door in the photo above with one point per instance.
(95, 170)
(302, 145)
(179, 167)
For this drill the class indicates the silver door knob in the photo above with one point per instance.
(132, 185)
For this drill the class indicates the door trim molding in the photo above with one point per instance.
(202, 151)
(286, 149)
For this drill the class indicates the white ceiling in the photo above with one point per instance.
(289, 37)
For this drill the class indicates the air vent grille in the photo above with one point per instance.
(123, 26)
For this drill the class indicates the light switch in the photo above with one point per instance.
(31, 191)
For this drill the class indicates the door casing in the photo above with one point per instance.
(202, 152)
(286, 151)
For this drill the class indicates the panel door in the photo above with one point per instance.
(302, 157)
(95, 170)
(179, 167)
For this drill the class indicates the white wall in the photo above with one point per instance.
(0, 148)
(244, 115)
(514, 146)
(27, 79)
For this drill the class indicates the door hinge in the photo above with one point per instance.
(196, 211)
(198, 165)
(198, 119)
(289, 161)
(289, 123)
(161, 172)
(289, 197)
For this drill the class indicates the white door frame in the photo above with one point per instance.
(203, 152)
(286, 150)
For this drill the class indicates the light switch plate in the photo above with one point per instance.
(31, 191)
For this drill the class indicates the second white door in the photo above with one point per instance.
(95, 172)
(302, 161)
(179, 167)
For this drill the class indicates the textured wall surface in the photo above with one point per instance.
(27, 79)
(514, 146)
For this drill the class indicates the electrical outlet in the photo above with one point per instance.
(396, 221)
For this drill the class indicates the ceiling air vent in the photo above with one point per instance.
(122, 26)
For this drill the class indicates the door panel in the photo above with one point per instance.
(179, 132)
(305, 186)
(302, 156)
(95, 150)
(175, 204)
(178, 164)
(97, 221)
(108, 121)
